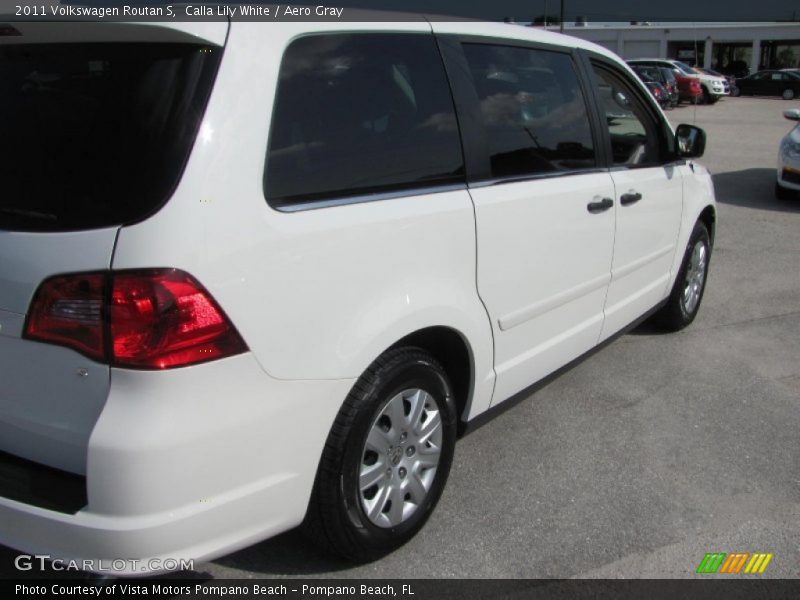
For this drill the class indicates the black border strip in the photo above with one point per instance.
(496, 410)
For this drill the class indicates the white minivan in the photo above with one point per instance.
(259, 275)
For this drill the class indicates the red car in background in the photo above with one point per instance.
(689, 87)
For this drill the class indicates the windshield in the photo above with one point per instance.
(96, 134)
(684, 68)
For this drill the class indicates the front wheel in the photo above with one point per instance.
(387, 457)
(788, 94)
(687, 292)
(736, 92)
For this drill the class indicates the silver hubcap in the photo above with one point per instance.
(400, 457)
(695, 277)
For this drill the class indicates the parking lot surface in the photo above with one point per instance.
(654, 451)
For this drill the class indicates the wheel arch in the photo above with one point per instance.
(451, 348)
(708, 216)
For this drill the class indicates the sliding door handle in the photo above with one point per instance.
(630, 198)
(600, 205)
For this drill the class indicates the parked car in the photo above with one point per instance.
(217, 325)
(690, 88)
(714, 86)
(666, 78)
(788, 181)
(658, 91)
(670, 82)
(770, 83)
(730, 79)
(736, 69)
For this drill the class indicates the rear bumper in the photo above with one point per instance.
(187, 464)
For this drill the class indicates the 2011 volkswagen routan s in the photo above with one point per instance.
(259, 275)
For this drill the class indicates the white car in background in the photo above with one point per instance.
(714, 86)
(788, 176)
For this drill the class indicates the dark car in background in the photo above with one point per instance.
(658, 92)
(769, 83)
(666, 78)
(736, 69)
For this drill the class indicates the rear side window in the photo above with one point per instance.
(534, 113)
(96, 134)
(361, 113)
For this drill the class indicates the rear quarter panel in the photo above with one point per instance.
(317, 294)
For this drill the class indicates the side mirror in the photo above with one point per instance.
(690, 140)
(792, 114)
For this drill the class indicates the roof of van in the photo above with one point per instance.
(441, 24)
(515, 32)
(214, 30)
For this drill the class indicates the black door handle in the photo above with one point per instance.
(598, 207)
(630, 198)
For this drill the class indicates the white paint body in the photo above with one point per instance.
(789, 157)
(199, 461)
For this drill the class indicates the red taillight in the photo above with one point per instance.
(162, 319)
(68, 310)
(155, 319)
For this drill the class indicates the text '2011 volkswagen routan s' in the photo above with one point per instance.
(258, 275)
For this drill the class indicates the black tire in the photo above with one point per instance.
(674, 316)
(788, 94)
(736, 92)
(336, 519)
(707, 98)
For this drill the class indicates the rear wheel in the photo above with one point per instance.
(687, 292)
(788, 94)
(736, 92)
(387, 457)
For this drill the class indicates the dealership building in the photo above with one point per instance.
(710, 45)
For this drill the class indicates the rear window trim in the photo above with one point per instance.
(537, 176)
(366, 198)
